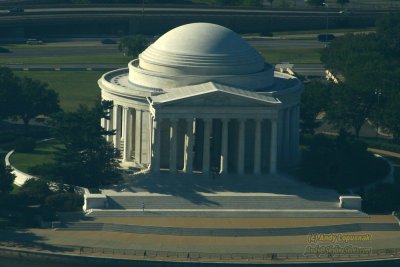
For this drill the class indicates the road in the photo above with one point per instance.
(94, 47)
(170, 10)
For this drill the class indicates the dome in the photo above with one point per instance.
(199, 53)
(189, 48)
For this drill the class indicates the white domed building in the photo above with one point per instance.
(200, 99)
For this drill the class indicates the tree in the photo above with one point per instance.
(6, 180)
(313, 101)
(87, 159)
(340, 162)
(342, 2)
(133, 45)
(388, 32)
(350, 106)
(34, 98)
(316, 2)
(390, 116)
(8, 86)
(36, 190)
(347, 54)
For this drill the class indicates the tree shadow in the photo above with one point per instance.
(196, 187)
(23, 238)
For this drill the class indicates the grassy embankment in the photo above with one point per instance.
(74, 87)
(43, 153)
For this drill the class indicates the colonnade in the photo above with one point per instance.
(189, 142)
(138, 136)
(289, 134)
(132, 134)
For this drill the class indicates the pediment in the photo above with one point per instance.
(212, 95)
(216, 99)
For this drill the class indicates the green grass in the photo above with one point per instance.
(329, 30)
(73, 87)
(294, 55)
(114, 58)
(43, 153)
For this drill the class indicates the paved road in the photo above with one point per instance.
(94, 47)
(170, 10)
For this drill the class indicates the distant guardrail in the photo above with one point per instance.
(377, 254)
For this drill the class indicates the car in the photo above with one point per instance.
(108, 41)
(16, 9)
(326, 37)
(33, 41)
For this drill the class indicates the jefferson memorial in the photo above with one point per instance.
(201, 99)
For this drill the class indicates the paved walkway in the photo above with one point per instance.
(235, 232)
(384, 152)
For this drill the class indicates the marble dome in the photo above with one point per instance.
(197, 53)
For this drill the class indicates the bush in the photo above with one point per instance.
(382, 198)
(7, 137)
(4, 50)
(35, 191)
(65, 202)
(341, 163)
(25, 145)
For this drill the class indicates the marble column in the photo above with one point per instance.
(274, 147)
(138, 135)
(286, 141)
(125, 134)
(109, 138)
(293, 134)
(241, 148)
(257, 147)
(189, 144)
(206, 146)
(224, 147)
(103, 123)
(117, 126)
(172, 145)
(156, 144)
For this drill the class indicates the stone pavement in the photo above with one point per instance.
(167, 195)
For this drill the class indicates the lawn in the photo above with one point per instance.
(43, 153)
(74, 87)
(294, 55)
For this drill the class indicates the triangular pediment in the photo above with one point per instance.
(211, 94)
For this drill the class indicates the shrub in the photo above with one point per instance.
(382, 198)
(35, 191)
(25, 144)
(7, 137)
(342, 162)
(4, 50)
(65, 202)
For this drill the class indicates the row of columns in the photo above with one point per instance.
(190, 139)
(132, 130)
(290, 134)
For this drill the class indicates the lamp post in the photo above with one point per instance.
(327, 24)
(378, 93)
(142, 9)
